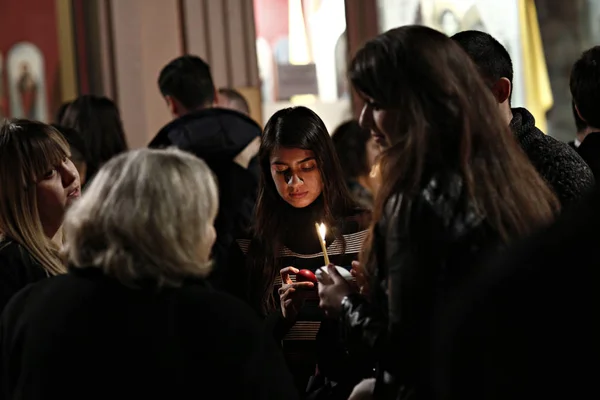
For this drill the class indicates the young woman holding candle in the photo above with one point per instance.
(455, 185)
(301, 184)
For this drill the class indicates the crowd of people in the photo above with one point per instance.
(434, 248)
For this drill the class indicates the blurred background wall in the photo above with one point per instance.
(276, 52)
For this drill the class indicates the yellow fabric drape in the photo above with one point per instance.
(538, 93)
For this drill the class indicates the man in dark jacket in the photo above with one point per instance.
(585, 89)
(226, 140)
(562, 168)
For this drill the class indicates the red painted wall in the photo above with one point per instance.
(33, 21)
(271, 18)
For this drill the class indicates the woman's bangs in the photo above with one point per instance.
(43, 152)
(367, 78)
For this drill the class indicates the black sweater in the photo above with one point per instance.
(86, 336)
(18, 269)
(560, 166)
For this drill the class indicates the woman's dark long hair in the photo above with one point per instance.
(300, 128)
(98, 121)
(447, 119)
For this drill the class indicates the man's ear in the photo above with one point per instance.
(578, 113)
(502, 90)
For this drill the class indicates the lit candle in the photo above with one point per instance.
(321, 231)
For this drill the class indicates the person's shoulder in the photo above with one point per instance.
(212, 134)
(558, 162)
(544, 147)
(19, 303)
(217, 118)
(358, 219)
(219, 309)
(15, 255)
(591, 143)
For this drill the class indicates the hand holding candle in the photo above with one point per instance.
(321, 232)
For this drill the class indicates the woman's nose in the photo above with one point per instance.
(364, 120)
(295, 180)
(68, 173)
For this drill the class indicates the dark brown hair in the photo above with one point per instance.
(447, 119)
(350, 141)
(98, 121)
(296, 127)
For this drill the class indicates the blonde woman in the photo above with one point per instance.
(134, 315)
(37, 183)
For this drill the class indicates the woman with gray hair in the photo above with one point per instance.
(134, 317)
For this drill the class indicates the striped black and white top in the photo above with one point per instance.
(300, 339)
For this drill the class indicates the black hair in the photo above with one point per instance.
(189, 81)
(98, 121)
(350, 141)
(237, 98)
(585, 86)
(60, 113)
(76, 143)
(490, 56)
(580, 124)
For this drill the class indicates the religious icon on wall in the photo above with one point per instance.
(451, 16)
(448, 22)
(26, 81)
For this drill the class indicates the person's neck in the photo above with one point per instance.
(185, 112)
(506, 112)
(581, 135)
(55, 236)
(309, 214)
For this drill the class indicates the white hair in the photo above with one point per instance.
(147, 216)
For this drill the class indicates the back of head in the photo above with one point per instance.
(231, 98)
(188, 79)
(76, 143)
(490, 56)
(350, 141)
(98, 121)
(28, 150)
(146, 217)
(61, 111)
(585, 86)
(427, 85)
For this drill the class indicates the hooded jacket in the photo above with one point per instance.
(217, 136)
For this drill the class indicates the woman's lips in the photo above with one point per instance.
(380, 139)
(298, 195)
(74, 193)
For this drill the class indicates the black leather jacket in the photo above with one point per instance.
(423, 246)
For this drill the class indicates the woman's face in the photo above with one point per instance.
(55, 191)
(296, 176)
(378, 121)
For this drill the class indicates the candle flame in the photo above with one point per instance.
(322, 231)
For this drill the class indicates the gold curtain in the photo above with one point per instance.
(538, 93)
